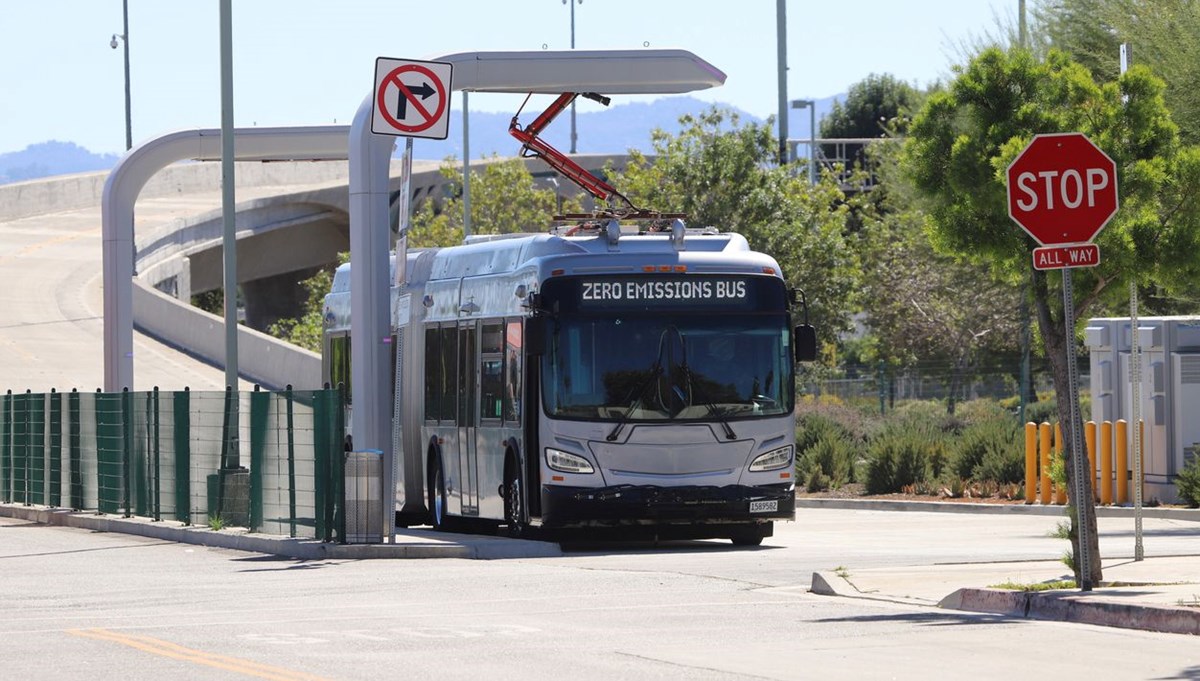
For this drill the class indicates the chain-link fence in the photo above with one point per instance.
(269, 461)
(884, 387)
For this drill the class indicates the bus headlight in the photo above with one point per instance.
(772, 460)
(566, 462)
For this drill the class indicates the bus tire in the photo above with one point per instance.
(514, 501)
(437, 494)
(750, 536)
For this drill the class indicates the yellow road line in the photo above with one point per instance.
(178, 652)
(53, 241)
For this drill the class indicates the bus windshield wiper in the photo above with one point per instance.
(716, 412)
(656, 370)
(639, 392)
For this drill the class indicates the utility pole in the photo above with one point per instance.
(781, 46)
(229, 242)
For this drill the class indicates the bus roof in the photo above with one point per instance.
(497, 254)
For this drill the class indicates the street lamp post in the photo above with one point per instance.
(113, 44)
(572, 6)
(466, 168)
(811, 105)
(128, 120)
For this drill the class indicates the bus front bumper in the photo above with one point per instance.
(625, 505)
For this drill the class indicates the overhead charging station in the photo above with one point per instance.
(414, 106)
(604, 72)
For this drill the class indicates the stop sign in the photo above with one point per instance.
(1062, 189)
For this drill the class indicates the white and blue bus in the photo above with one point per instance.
(596, 376)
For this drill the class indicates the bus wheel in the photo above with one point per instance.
(437, 495)
(747, 537)
(514, 504)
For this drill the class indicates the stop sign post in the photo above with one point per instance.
(1062, 190)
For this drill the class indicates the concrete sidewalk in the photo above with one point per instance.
(1159, 593)
(410, 543)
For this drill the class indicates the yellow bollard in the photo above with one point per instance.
(1031, 462)
(1142, 438)
(1044, 435)
(1106, 463)
(1089, 436)
(1122, 472)
(1060, 491)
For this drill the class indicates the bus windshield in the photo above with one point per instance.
(688, 366)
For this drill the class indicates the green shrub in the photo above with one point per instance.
(814, 427)
(968, 452)
(881, 467)
(981, 411)
(816, 418)
(1003, 464)
(929, 412)
(900, 456)
(939, 457)
(1042, 411)
(829, 461)
(1045, 410)
(816, 481)
(988, 449)
(1188, 483)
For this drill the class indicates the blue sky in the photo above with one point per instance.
(308, 62)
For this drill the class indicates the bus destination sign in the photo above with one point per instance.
(654, 291)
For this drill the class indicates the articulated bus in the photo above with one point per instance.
(596, 376)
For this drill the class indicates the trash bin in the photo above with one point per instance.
(364, 497)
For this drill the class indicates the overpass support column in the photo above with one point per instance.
(273, 298)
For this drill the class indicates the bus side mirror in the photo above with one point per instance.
(535, 335)
(806, 343)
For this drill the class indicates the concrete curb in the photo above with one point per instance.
(967, 507)
(410, 544)
(1082, 608)
(833, 584)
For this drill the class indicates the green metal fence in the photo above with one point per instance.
(269, 461)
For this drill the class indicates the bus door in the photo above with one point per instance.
(468, 418)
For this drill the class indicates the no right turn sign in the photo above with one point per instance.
(412, 98)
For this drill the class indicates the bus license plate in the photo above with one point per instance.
(764, 506)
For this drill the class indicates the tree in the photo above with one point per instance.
(871, 109)
(504, 199)
(722, 173)
(924, 305)
(1162, 34)
(965, 137)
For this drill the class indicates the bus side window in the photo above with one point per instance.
(491, 374)
(433, 374)
(449, 386)
(512, 372)
(339, 363)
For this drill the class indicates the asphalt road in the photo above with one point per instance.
(83, 605)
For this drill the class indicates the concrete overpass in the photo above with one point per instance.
(292, 218)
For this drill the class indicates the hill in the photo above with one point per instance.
(613, 130)
(51, 158)
(616, 129)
